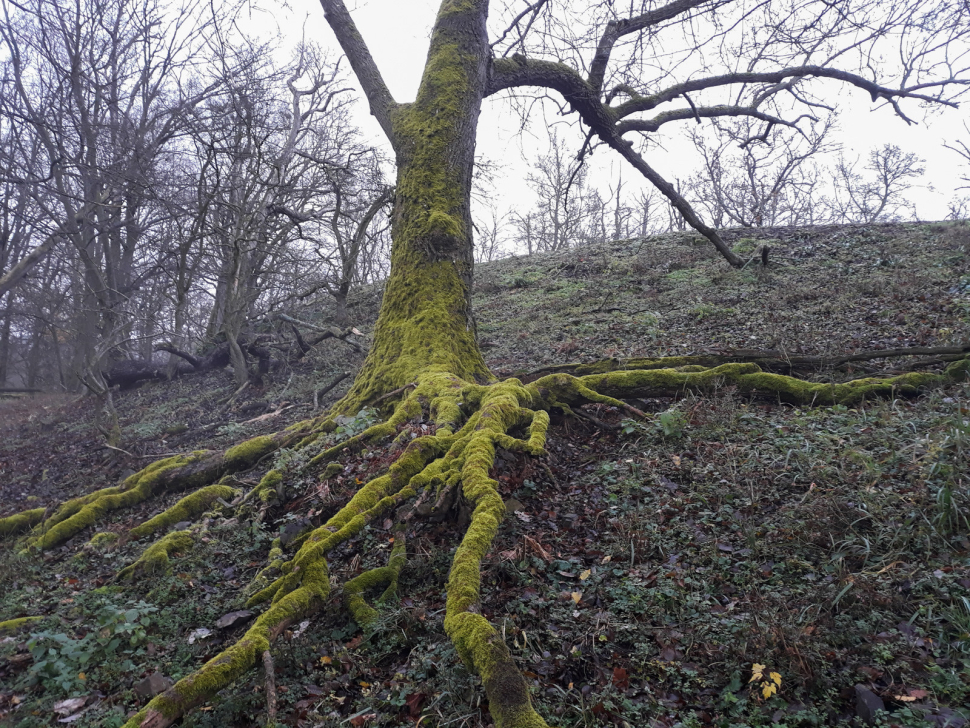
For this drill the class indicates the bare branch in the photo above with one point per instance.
(361, 60)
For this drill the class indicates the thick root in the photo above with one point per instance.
(186, 509)
(748, 379)
(165, 709)
(364, 614)
(472, 422)
(15, 625)
(154, 559)
(20, 522)
(174, 474)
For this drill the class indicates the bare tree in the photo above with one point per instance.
(93, 86)
(562, 212)
(878, 192)
(617, 71)
(756, 181)
(959, 205)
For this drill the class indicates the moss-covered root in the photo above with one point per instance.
(20, 522)
(187, 508)
(478, 643)
(14, 625)
(376, 497)
(154, 559)
(359, 609)
(747, 378)
(167, 708)
(173, 474)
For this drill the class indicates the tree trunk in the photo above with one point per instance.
(426, 321)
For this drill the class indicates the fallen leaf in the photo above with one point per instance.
(576, 596)
(415, 701)
(621, 678)
(199, 634)
(66, 707)
(585, 575)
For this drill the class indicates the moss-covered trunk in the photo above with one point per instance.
(426, 321)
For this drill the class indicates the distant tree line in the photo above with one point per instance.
(748, 177)
(166, 181)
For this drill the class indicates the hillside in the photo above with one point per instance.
(648, 565)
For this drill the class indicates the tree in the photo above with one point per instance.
(94, 96)
(959, 206)
(425, 360)
(562, 212)
(879, 195)
(768, 181)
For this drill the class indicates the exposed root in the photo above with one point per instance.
(472, 421)
(187, 508)
(364, 614)
(20, 522)
(154, 559)
(14, 625)
(173, 474)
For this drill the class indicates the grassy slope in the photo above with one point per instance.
(647, 570)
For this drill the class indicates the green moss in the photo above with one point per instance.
(175, 473)
(268, 488)
(14, 625)
(359, 609)
(20, 522)
(154, 559)
(103, 539)
(247, 453)
(186, 509)
(563, 389)
(240, 657)
(478, 643)
(331, 470)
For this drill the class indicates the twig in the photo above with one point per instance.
(141, 457)
(396, 392)
(323, 390)
(270, 689)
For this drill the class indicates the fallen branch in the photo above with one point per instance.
(270, 689)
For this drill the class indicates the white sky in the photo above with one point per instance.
(397, 32)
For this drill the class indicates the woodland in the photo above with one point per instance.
(596, 495)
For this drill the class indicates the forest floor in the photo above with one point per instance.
(645, 572)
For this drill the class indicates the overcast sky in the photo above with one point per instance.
(397, 33)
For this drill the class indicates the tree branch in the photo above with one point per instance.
(645, 103)
(616, 29)
(361, 60)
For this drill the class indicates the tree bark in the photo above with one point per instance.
(426, 321)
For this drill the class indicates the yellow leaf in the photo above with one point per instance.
(606, 559)
(776, 677)
(364, 684)
(756, 672)
(325, 660)
(904, 698)
(585, 575)
(576, 596)
(768, 690)
(82, 676)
